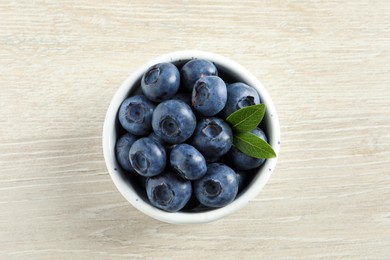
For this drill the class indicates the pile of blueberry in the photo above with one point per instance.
(177, 143)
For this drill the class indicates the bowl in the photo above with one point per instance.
(130, 188)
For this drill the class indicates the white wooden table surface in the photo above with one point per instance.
(326, 65)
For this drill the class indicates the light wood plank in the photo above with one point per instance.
(325, 64)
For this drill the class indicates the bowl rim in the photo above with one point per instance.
(109, 138)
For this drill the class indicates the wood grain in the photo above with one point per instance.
(325, 64)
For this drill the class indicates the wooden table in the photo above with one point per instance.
(326, 65)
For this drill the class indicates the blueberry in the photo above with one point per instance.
(188, 162)
(122, 149)
(242, 178)
(173, 121)
(194, 70)
(168, 191)
(193, 204)
(160, 82)
(239, 95)
(241, 161)
(156, 138)
(209, 95)
(147, 157)
(212, 137)
(135, 115)
(185, 97)
(168, 147)
(218, 187)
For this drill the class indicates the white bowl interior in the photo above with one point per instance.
(129, 187)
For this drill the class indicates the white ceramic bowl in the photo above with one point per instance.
(129, 188)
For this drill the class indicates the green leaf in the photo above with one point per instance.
(253, 145)
(247, 118)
